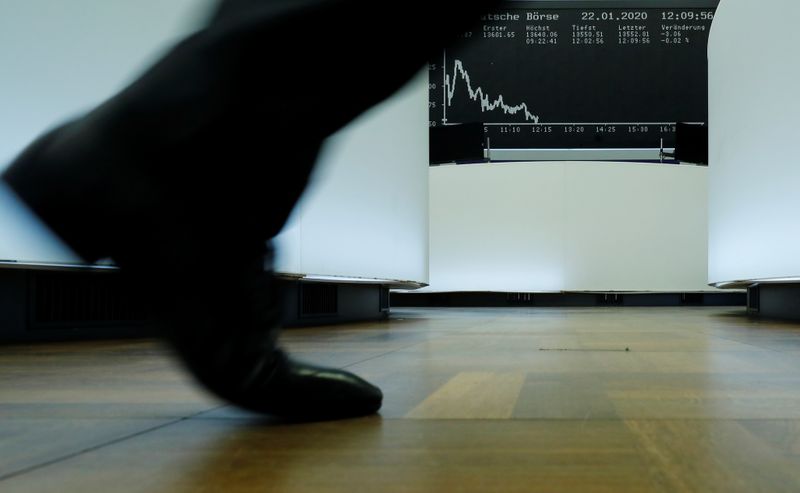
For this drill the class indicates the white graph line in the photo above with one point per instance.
(477, 94)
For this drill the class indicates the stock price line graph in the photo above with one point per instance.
(477, 94)
(575, 77)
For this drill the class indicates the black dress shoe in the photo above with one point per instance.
(291, 389)
(224, 323)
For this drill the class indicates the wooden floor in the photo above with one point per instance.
(477, 400)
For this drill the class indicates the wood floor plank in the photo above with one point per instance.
(705, 456)
(476, 400)
(26, 443)
(369, 455)
(564, 396)
(90, 379)
(473, 395)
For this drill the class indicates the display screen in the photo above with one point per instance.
(578, 75)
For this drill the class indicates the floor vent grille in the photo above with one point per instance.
(317, 299)
(69, 300)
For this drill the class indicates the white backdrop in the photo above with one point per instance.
(60, 58)
(754, 133)
(366, 214)
(568, 226)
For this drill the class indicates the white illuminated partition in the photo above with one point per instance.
(365, 216)
(754, 134)
(60, 58)
(366, 213)
(568, 226)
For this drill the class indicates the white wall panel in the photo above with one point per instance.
(497, 228)
(60, 58)
(635, 227)
(754, 132)
(365, 213)
(568, 226)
